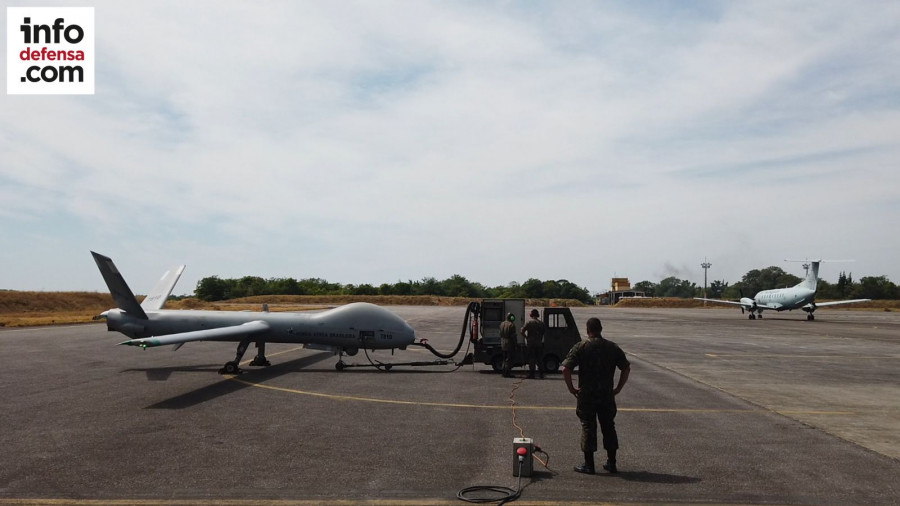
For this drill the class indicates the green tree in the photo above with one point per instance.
(674, 287)
(212, 289)
(402, 288)
(826, 290)
(533, 288)
(429, 286)
(844, 285)
(716, 289)
(771, 277)
(364, 289)
(875, 287)
(648, 287)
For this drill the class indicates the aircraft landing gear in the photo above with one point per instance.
(233, 366)
(752, 316)
(260, 359)
(340, 365)
(230, 368)
(810, 317)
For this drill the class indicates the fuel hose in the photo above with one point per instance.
(472, 308)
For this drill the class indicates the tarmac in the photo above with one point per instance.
(718, 409)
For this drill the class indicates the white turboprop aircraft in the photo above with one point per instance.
(801, 296)
(345, 329)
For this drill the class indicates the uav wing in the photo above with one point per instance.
(222, 333)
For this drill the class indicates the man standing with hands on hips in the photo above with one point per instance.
(597, 360)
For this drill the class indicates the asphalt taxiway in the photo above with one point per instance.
(718, 409)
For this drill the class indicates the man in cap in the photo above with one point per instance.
(597, 360)
(508, 343)
(533, 330)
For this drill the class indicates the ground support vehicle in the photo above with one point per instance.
(561, 333)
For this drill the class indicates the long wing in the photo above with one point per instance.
(720, 301)
(839, 302)
(243, 330)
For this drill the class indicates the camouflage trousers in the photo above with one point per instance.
(533, 355)
(592, 411)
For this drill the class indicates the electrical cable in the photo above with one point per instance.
(537, 449)
(506, 494)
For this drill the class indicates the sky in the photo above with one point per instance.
(377, 142)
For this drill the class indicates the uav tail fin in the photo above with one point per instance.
(156, 299)
(118, 288)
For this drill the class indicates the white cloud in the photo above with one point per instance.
(365, 142)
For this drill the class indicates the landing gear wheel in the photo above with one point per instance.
(810, 317)
(260, 363)
(752, 316)
(551, 363)
(230, 368)
(497, 363)
(339, 366)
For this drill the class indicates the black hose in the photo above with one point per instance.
(473, 307)
(505, 494)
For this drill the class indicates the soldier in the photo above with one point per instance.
(597, 360)
(508, 343)
(533, 330)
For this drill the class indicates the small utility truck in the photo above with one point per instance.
(561, 333)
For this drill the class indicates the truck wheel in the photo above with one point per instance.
(551, 363)
(497, 363)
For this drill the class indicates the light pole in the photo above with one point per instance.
(706, 265)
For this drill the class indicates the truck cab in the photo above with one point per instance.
(561, 333)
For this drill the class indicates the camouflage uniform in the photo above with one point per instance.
(597, 360)
(508, 345)
(533, 330)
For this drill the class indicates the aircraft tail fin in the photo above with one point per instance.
(812, 272)
(812, 275)
(156, 299)
(118, 288)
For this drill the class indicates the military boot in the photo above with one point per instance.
(588, 466)
(610, 465)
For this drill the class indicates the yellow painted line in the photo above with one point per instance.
(831, 413)
(785, 355)
(354, 398)
(263, 502)
(392, 401)
(225, 502)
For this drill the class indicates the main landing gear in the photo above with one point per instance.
(259, 360)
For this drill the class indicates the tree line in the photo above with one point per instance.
(868, 287)
(214, 288)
